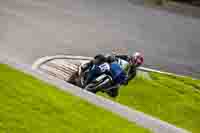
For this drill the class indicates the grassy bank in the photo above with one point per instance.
(28, 105)
(173, 99)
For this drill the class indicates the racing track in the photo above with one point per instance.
(34, 28)
(31, 29)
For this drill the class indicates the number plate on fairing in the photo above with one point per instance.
(104, 67)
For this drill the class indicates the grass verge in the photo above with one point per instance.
(170, 98)
(28, 105)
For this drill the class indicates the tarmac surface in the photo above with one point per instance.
(30, 29)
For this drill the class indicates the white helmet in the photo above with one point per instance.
(137, 59)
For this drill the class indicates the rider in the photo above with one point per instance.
(128, 64)
(119, 77)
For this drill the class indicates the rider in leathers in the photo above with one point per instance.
(129, 64)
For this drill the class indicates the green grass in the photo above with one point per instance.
(28, 105)
(170, 98)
